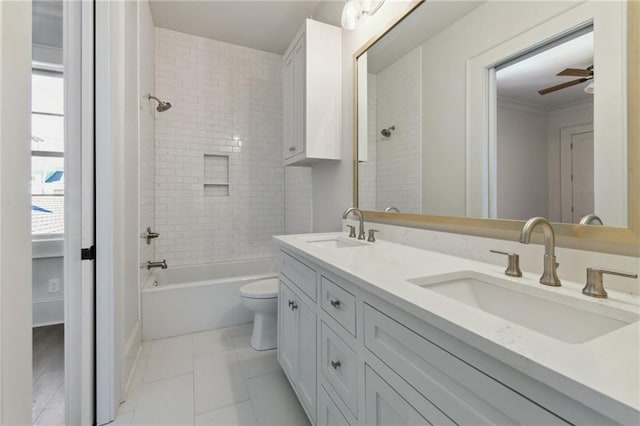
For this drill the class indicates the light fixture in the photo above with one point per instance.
(354, 9)
(590, 88)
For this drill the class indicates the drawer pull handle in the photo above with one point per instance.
(335, 303)
(294, 306)
(290, 303)
(336, 364)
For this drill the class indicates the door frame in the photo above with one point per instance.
(78, 54)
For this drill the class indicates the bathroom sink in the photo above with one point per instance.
(561, 317)
(334, 242)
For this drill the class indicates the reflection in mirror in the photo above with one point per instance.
(497, 110)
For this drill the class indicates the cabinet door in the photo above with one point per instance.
(328, 412)
(288, 101)
(288, 333)
(385, 405)
(299, 90)
(307, 367)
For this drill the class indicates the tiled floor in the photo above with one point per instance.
(47, 407)
(210, 378)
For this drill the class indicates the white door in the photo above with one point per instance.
(299, 96)
(79, 214)
(577, 167)
(288, 95)
(288, 329)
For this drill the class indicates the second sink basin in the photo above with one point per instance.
(567, 319)
(334, 242)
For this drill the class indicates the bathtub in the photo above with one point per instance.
(186, 299)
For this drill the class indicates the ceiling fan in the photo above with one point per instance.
(584, 74)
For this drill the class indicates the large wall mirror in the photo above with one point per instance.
(502, 111)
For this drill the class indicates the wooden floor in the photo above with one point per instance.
(48, 375)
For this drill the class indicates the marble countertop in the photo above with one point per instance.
(603, 373)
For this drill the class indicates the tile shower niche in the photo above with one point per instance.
(216, 175)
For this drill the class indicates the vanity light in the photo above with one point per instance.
(354, 9)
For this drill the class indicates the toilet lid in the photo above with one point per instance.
(263, 289)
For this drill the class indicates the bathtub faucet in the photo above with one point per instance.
(162, 264)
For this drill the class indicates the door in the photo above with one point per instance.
(306, 383)
(288, 337)
(288, 95)
(328, 412)
(79, 213)
(577, 164)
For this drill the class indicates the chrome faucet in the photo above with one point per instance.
(591, 219)
(356, 211)
(162, 264)
(549, 276)
(391, 209)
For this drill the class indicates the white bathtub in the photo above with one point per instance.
(186, 299)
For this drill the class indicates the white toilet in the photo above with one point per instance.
(262, 298)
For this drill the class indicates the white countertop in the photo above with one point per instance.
(604, 372)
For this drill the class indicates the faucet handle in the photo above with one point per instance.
(372, 235)
(513, 266)
(352, 231)
(595, 287)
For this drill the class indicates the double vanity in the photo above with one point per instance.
(383, 333)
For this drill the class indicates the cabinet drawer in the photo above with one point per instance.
(328, 412)
(338, 303)
(384, 405)
(298, 273)
(459, 390)
(340, 367)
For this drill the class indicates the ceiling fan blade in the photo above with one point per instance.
(576, 72)
(563, 86)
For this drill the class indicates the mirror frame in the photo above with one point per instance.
(607, 239)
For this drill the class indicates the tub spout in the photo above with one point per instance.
(162, 264)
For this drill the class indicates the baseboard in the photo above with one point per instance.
(48, 312)
(133, 348)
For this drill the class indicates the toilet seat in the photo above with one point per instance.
(262, 289)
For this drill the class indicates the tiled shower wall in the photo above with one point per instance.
(398, 169)
(227, 102)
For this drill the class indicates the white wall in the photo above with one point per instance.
(219, 92)
(15, 227)
(332, 183)
(298, 200)
(48, 307)
(557, 120)
(398, 168)
(522, 169)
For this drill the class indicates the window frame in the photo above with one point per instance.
(43, 68)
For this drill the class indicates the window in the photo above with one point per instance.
(47, 152)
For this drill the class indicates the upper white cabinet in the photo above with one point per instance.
(312, 92)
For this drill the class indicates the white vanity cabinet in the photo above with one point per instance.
(377, 364)
(312, 85)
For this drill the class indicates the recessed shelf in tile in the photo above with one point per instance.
(216, 175)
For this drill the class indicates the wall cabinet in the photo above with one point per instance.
(356, 359)
(312, 93)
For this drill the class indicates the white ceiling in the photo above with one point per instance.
(522, 80)
(264, 25)
(430, 18)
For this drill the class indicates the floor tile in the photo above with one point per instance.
(240, 414)
(166, 402)
(210, 341)
(169, 358)
(44, 389)
(241, 330)
(124, 419)
(274, 402)
(51, 416)
(218, 381)
(254, 363)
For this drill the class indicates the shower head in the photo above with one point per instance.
(162, 106)
(387, 132)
